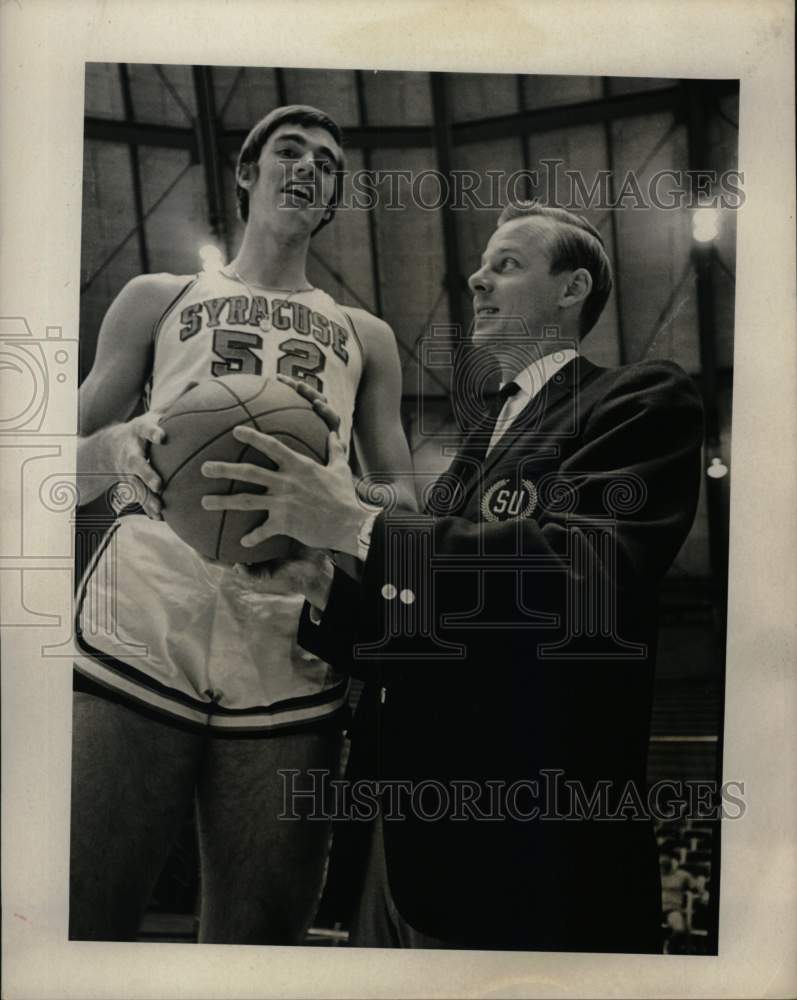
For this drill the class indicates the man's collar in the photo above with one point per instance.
(534, 376)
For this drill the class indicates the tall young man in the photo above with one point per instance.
(522, 705)
(214, 696)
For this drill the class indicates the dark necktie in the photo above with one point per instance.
(475, 447)
(447, 493)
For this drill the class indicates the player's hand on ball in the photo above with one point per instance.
(318, 400)
(131, 444)
(313, 503)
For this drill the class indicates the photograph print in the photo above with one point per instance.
(402, 538)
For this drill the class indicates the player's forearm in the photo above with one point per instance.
(120, 451)
(97, 462)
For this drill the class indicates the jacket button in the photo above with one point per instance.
(407, 596)
(389, 592)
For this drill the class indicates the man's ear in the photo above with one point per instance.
(578, 287)
(247, 174)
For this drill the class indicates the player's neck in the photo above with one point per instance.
(272, 260)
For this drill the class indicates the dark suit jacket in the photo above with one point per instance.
(523, 651)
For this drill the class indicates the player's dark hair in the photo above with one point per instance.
(575, 243)
(298, 114)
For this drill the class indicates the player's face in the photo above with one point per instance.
(296, 173)
(514, 293)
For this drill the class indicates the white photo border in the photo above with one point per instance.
(44, 45)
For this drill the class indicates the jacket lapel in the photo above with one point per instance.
(537, 416)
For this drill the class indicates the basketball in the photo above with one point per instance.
(199, 428)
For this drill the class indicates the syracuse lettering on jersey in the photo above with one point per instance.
(237, 349)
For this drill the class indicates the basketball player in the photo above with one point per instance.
(193, 683)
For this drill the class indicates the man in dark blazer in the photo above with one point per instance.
(507, 634)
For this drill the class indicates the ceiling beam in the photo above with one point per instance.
(207, 127)
(373, 235)
(141, 134)
(135, 170)
(360, 137)
(525, 159)
(521, 123)
(282, 89)
(606, 108)
(443, 147)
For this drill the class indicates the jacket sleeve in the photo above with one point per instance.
(612, 516)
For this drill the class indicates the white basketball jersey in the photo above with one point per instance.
(219, 326)
(157, 624)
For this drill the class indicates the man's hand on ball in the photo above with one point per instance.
(313, 503)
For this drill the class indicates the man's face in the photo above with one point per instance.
(514, 283)
(296, 175)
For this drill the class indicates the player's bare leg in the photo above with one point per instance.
(132, 786)
(261, 875)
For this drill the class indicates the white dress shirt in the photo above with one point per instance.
(530, 382)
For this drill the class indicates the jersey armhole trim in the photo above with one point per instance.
(169, 309)
(347, 314)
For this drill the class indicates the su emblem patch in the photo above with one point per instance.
(502, 502)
